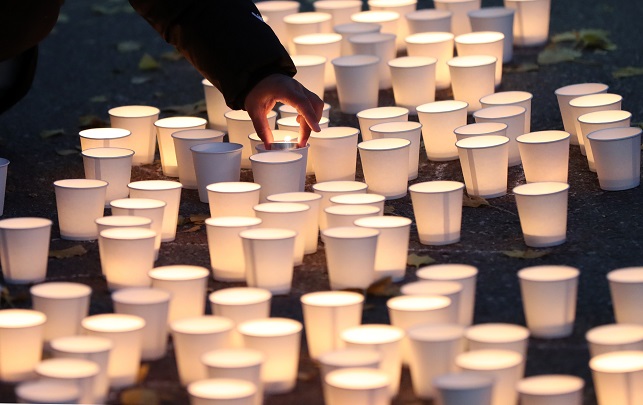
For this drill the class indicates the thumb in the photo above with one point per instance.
(262, 127)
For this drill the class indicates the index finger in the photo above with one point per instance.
(262, 127)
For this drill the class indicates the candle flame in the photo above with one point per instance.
(288, 138)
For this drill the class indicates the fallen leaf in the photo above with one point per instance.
(172, 55)
(383, 288)
(105, 9)
(143, 371)
(523, 67)
(193, 229)
(147, 62)
(594, 39)
(63, 18)
(140, 79)
(527, 254)
(50, 133)
(6, 300)
(552, 55)
(188, 109)
(181, 220)
(389, 209)
(128, 46)
(473, 201)
(628, 71)
(92, 121)
(98, 99)
(565, 36)
(139, 396)
(199, 219)
(66, 152)
(418, 260)
(76, 250)
(307, 376)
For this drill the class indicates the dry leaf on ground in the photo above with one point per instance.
(523, 67)
(76, 250)
(128, 46)
(50, 133)
(418, 260)
(139, 396)
(92, 121)
(552, 55)
(628, 71)
(197, 107)
(172, 55)
(383, 288)
(527, 254)
(147, 63)
(473, 201)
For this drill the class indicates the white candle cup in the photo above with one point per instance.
(165, 127)
(225, 247)
(408, 130)
(275, 11)
(293, 216)
(269, 256)
(518, 98)
(549, 299)
(326, 315)
(483, 43)
(464, 274)
(460, 8)
(24, 249)
(139, 120)
(331, 189)
(463, 388)
(166, 191)
(47, 392)
(126, 335)
(551, 390)
(472, 77)
(215, 105)
(402, 7)
(514, 117)
(334, 153)
(346, 215)
(187, 284)
(214, 163)
(437, 206)
(277, 172)
(626, 287)
(359, 386)
(375, 200)
(437, 45)
(351, 29)
(357, 82)
(347, 358)
(591, 103)
(94, 348)
(381, 45)
(503, 365)
(499, 336)
(614, 337)
(104, 138)
(341, 10)
(544, 155)
(499, 19)
(65, 305)
(79, 202)
(439, 121)
(388, 20)
(392, 245)
(305, 23)
(433, 349)
(617, 377)
(429, 20)
(152, 305)
(484, 165)
(304, 165)
(193, 337)
(4, 164)
(327, 45)
(385, 166)
(478, 129)
(113, 165)
(531, 21)
(413, 81)
(279, 340)
(350, 256)
(449, 289)
(286, 110)
(313, 201)
(617, 157)
(242, 364)
(239, 127)
(143, 207)
(83, 373)
(566, 94)
(597, 121)
(542, 208)
(384, 339)
(311, 70)
(183, 142)
(291, 124)
(228, 199)
(283, 140)
(222, 391)
(21, 341)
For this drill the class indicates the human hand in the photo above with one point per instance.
(281, 88)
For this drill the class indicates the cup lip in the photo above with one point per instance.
(80, 290)
(154, 203)
(228, 147)
(513, 111)
(39, 318)
(455, 105)
(115, 111)
(352, 61)
(574, 384)
(436, 302)
(375, 198)
(474, 380)
(295, 207)
(288, 157)
(387, 16)
(338, 4)
(385, 3)
(92, 369)
(310, 60)
(450, 332)
(243, 222)
(211, 324)
(531, 273)
(486, 60)
(527, 96)
(296, 327)
(350, 298)
(420, 187)
(183, 134)
(4, 162)
(335, 133)
(411, 126)
(452, 287)
(101, 344)
(335, 357)
(366, 26)
(532, 137)
(422, 61)
(144, 233)
(246, 388)
(615, 275)
(249, 187)
(498, 38)
(297, 196)
(169, 185)
(366, 372)
(367, 145)
(252, 358)
(232, 115)
(278, 5)
(332, 36)
(396, 333)
(464, 129)
(356, 232)
(487, 12)
(194, 122)
(9, 223)
(372, 38)
(268, 234)
(445, 272)
(135, 323)
(601, 134)
(498, 141)
(197, 273)
(355, 184)
(597, 334)
(118, 133)
(521, 333)
(573, 89)
(88, 153)
(65, 184)
(367, 209)
(616, 98)
(620, 354)
(436, 37)
(218, 297)
(286, 121)
(388, 222)
(513, 359)
(417, 15)
(124, 296)
(524, 189)
(319, 17)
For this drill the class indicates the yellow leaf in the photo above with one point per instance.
(193, 229)
(128, 46)
(76, 250)
(383, 288)
(552, 55)
(147, 62)
(418, 260)
(199, 219)
(50, 133)
(527, 254)
(139, 396)
(628, 71)
(473, 201)
(389, 209)
(172, 55)
(596, 39)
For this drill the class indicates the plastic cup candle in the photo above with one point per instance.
(286, 110)
(463, 274)
(326, 315)
(549, 299)
(214, 163)
(306, 23)
(225, 247)
(616, 376)
(139, 120)
(472, 77)
(437, 206)
(626, 287)
(144, 207)
(283, 140)
(80, 371)
(484, 164)
(592, 103)
(331, 189)
(614, 338)
(291, 216)
(357, 386)
(479, 129)
(4, 164)
(350, 256)
(351, 29)
(460, 8)
(165, 127)
(269, 256)
(183, 141)
(388, 20)
(279, 340)
(166, 191)
(498, 19)
(413, 80)
(291, 124)
(241, 304)
(126, 334)
(511, 115)
(408, 130)
(186, 284)
(428, 20)
(566, 94)
(617, 157)
(290, 145)
(503, 365)
(542, 208)
(104, 138)
(113, 165)
(531, 21)
(437, 45)
(193, 337)
(347, 358)
(402, 7)
(47, 392)
(277, 172)
(311, 226)
(432, 352)
(517, 98)
(21, 342)
(375, 200)
(327, 45)
(544, 155)
(239, 127)
(215, 105)
(448, 289)
(463, 388)
(385, 165)
(341, 10)
(275, 11)
(333, 152)
(24, 248)
(381, 45)
(357, 82)
(386, 340)
(65, 305)
(551, 390)
(79, 202)
(483, 43)
(345, 215)
(503, 336)
(214, 391)
(439, 120)
(242, 364)
(227, 199)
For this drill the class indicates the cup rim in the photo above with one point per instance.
(215, 134)
(154, 203)
(312, 60)
(362, 186)
(560, 188)
(171, 185)
(257, 158)
(159, 296)
(196, 273)
(306, 196)
(371, 38)
(498, 142)
(295, 326)
(320, 17)
(363, 233)
(483, 13)
(376, 198)
(244, 222)
(229, 147)
(617, 99)
(82, 290)
(423, 61)
(231, 115)
(115, 113)
(575, 384)
(427, 108)
(440, 37)
(262, 294)
(567, 91)
(44, 222)
(87, 153)
(418, 187)
(488, 58)
(4, 162)
(392, 16)
(250, 187)
(626, 115)
(531, 137)
(596, 135)
(367, 26)
(63, 184)
(418, 14)
(570, 273)
(472, 34)
(39, 318)
(195, 122)
(119, 133)
(353, 298)
(144, 233)
(518, 110)
(528, 96)
(332, 36)
(296, 207)
(355, 61)
(331, 132)
(412, 126)
(406, 144)
(384, 382)
(499, 125)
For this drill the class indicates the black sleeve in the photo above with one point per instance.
(225, 40)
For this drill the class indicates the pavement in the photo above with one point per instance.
(82, 74)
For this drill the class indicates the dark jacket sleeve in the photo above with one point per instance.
(225, 40)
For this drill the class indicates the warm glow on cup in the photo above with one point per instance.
(517, 98)
(83, 373)
(531, 21)
(385, 165)
(225, 247)
(187, 285)
(551, 390)
(242, 364)
(64, 304)
(432, 352)
(305, 23)
(503, 336)
(437, 45)
(388, 20)
(597, 121)
(275, 11)
(241, 304)
(499, 19)
(293, 216)
(283, 139)
(463, 274)
(304, 166)
(277, 172)
(617, 377)
(215, 105)
(327, 45)
(341, 10)
(104, 138)
(222, 391)
(549, 299)
(113, 165)
(381, 45)
(437, 206)
(384, 339)
(143, 207)
(269, 256)
(484, 164)
(503, 365)
(183, 142)
(402, 7)
(472, 77)
(460, 8)
(357, 82)
(165, 127)
(4, 164)
(483, 43)
(479, 129)
(469, 388)
(413, 80)
(79, 202)
(449, 289)
(333, 152)
(439, 120)
(542, 208)
(24, 249)
(351, 29)
(139, 120)
(166, 191)
(286, 110)
(347, 358)
(331, 189)
(544, 155)
(350, 256)
(566, 94)
(626, 289)
(375, 200)
(408, 130)
(230, 199)
(614, 337)
(326, 315)
(345, 215)
(592, 103)
(617, 157)
(46, 391)
(291, 124)
(279, 340)
(151, 305)
(21, 341)
(126, 335)
(311, 226)
(428, 20)
(239, 127)
(359, 386)
(511, 115)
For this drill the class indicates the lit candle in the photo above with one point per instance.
(289, 143)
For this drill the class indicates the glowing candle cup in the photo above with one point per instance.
(286, 110)
(617, 157)
(542, 208)
(346, 215)
(388, 20)
(277, 172)
(47, 392)
(359, 386)
(531, 21)
(21, 341)
(139, 120)
(275, 11)
(186, 284)
(483, 43)
(591, 103)
(381, 45)
(269, 256)
(215, 105)
(331, 189)
(385, 165)
(499, 19)
(479, 129)
(518, 98)
(166, 191)
(449, 289)
(375, 200)
(183, 142)
(439, 120)
(413, 81)
(429, 20)
(350, 256)
(334, 153)
(291, 216)
(350, 29)
(463, 274)
(80, 371)
(327, 45)
(566, 94)
(242, 364)
(437, 45)
(472, 77)
(341, 10)
(228, 199)
(617, 377)
(408, 130)
(113, 165)
(626, 287)
(144, 207)
(241, 304)
(437, 206)
(460, 8)
(311, 226)
(239, 127)
(165, 127)
(24, 249)
(104, 138)
(306, 23)
(614, 338)
(215, 391)
(551, 390)
(79, 202)
(357, 82)
(65, 305)
(463, 388)
(502, 336)
(484, 164)
(225, 247)
(511, 115)
(544, 155)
